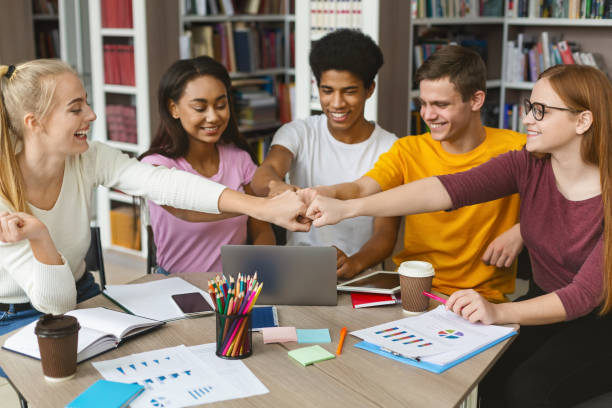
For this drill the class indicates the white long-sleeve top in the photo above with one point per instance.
(51, 288)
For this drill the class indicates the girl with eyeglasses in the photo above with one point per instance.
(563, 176)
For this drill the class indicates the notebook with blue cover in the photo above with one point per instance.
(263, 316)
(434, 368)
(107, 394)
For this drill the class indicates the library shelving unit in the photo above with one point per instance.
(316, 18)
(261, 50)
(592, 34)
(131, 94)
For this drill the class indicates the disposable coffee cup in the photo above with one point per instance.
(415, 277)
(57, 342)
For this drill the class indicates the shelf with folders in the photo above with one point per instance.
(314, 19)
(120, 93)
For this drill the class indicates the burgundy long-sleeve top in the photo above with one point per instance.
(564, 238)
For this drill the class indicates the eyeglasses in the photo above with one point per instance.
(539, 109)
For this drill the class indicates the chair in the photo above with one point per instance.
(151, 251)
(94, 261)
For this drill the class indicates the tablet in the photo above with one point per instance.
(375, 282)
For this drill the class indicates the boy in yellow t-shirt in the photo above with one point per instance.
(473, 247)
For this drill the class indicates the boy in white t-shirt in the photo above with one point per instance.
(335, 147)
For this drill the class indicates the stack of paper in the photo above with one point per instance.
(436, 340)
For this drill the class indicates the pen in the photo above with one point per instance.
(342, 336)
(395, 353)
(434, 297)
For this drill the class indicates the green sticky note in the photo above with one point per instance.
(308, 355)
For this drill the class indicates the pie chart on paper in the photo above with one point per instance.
(450, 334)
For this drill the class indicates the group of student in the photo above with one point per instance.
(474, 196)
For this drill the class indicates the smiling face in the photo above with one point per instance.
(443, 110)
(203, 109)
(556, 131)
(343, 97)
(65, 127)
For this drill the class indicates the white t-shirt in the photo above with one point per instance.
(320, 159)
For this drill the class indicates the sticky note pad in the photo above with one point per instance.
(278, 334)
(309, 355)
(313, 336)
(107, 394)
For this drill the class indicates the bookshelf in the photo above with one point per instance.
(131, 43)
(255, 42)
(496, 31)
(314, 19)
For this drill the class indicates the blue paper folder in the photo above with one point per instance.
(263, 316)
(107, 394)
(434, 368)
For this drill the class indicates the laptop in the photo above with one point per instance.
(291, 275)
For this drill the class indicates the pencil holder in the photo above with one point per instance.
(233, 335)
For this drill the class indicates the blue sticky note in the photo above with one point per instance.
(313, 336)
(107, 394)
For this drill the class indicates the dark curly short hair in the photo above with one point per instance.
(346, 50)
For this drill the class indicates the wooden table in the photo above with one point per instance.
(356, 378)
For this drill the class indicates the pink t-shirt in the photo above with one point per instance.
(196, 246)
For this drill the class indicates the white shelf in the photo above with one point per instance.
(316, 106)
(127, 147)
(574, 22)
(260, 72)
(117, 32)
(120, 89)
(525, 86)
(458, 21)
(238, 18)
(123, 198)
(45, 17)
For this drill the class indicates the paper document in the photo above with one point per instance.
(153, 299)
(438, 336)
(181, 376)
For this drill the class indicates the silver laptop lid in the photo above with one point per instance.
(291, 275)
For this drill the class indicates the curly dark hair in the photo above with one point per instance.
(171, 139)
(346, 50)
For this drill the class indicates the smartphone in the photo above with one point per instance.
(192, 304)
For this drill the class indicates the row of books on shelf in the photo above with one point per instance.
(425, 46)
(559, 8)
(513, 117)
(528, 57)
(121, 123)
(232, 7)
(119, 64)
(241, 47)
(262, 102)
(329, 15)
(261, 145)
(116, 13)
(47, 43)
(456, 8)
(48, 7)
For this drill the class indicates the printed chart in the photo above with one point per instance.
(450, 334)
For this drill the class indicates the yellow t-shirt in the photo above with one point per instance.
(453, 242)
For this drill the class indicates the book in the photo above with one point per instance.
(360, 300)
(263, 317)
(153, 299)
(435, 341)
(107, 394)
(101, 330)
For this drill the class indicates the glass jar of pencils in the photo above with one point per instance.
(233, 335)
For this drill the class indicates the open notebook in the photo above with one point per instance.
(101, 330)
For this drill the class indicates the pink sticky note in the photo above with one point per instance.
(279, 334)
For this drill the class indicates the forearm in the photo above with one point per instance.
(261, 232)
(262, 179)
(234, 202)
(44, 251)
(380, 245)
(545, 309)
(425, 195)
(194, 216)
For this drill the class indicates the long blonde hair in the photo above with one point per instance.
(25, 88)
(585, 88)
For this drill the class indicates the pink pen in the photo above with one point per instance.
(434, 297)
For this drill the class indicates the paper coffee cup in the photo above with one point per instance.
(415, 277)
(57, 342)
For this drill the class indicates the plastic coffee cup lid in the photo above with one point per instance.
(416, 269)
(56, 326)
